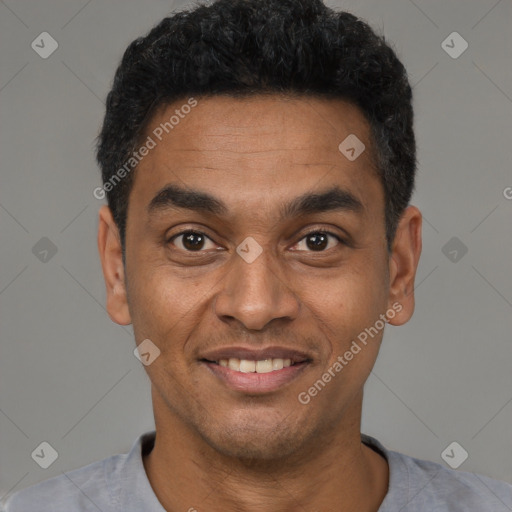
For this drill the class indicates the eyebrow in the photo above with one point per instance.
(332, 199)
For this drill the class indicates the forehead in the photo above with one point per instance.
(247, 151)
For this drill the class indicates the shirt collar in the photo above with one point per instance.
(136, 494)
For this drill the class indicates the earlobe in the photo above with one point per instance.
(403, 263)
(110, 251)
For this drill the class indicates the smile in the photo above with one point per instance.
(255, 377)
(255, 371)
(249, 366)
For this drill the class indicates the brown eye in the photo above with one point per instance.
(191, 241)
(318, 241)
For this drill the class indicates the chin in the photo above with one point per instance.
(255, 448)
(253, 442)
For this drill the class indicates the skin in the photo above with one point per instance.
(217, 449)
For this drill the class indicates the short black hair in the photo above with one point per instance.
(250, 47)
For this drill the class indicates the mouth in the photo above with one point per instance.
(255, 372)
(252, 366)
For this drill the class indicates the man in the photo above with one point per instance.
(258, 158)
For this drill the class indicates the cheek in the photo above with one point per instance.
(349, 305)
(347, 319)
(164, 307)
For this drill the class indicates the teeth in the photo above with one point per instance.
(264, 366)
(247, 366)
(277, 364)
(234, 364)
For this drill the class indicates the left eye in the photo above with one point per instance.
(191, 241)
(318, 241)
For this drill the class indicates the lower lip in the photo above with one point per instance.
(253, 382)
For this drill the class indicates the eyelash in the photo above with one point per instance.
(313, 232)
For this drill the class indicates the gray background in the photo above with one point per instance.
(68, 375)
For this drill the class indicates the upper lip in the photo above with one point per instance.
(252, 354)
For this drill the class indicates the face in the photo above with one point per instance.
(251, 235)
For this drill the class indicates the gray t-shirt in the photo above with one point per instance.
(119, 484)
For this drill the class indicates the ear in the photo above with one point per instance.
(403, 262)
(109, 247)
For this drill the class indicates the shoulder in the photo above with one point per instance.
(436, 486)
(82, 490)
(422, 485)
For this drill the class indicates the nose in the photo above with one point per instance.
(256, 292)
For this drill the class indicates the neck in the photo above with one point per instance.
(336, 472)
